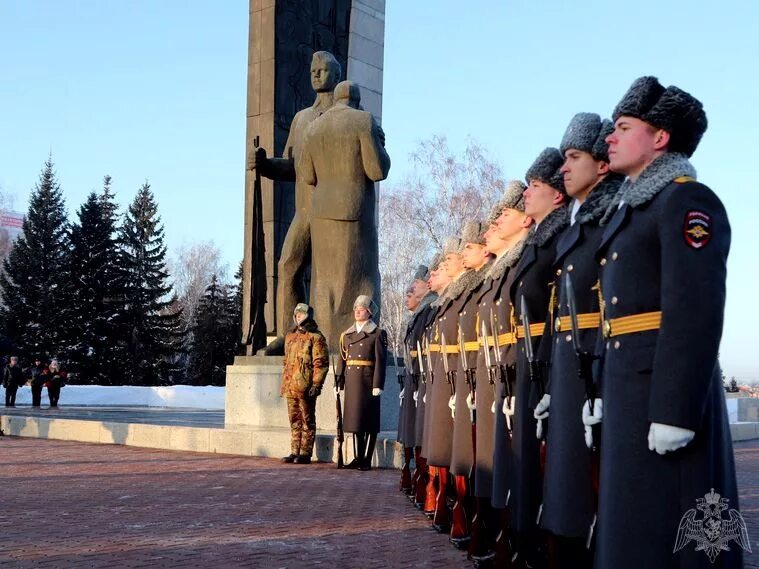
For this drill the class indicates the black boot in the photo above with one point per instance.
(290, 458)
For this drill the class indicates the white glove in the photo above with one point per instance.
(541, 409)
(400, 395)
(337, 391)
(424, 398)
(416, 396)
(492, 407)
(589, 420)
(452, 405)
(376, 392)
(508, 410)
(470, 403)
(667, 438)
(540, 413)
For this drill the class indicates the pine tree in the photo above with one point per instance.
(149, 320)
(34, 278)
(94, 291)
(215, 335)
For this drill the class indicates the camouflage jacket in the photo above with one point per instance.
(306, 360)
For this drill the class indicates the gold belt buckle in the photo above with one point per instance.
(607, 329)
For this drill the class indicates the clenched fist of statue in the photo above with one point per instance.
(667, 438)
(257, 159)
(376, 392)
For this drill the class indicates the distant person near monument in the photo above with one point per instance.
(12, 380)
(361, 373)
(306, 365)
(296, 250)
(342, 155)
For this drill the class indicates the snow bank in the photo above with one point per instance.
(183, 396)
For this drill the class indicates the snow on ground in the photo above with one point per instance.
(183, 396)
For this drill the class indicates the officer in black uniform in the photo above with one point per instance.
(666, 440)
(569, 486)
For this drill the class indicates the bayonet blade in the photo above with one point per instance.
(444, 350)
(573, 314)
(419, 357)
(527, 332)
(485, 343)
(496, 345)
(462, 349)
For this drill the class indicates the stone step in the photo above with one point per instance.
(269, 442)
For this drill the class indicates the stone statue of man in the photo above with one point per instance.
(296, 249)
(342, 155)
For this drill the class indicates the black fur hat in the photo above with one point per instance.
(546, 169)
(587, 132)
(670, 109)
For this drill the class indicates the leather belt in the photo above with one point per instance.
(448, 349)
(503, 340)
(535, 330)
(630, 324)
(585, 321)
(360, 363)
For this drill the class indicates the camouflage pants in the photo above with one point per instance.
(302, 414)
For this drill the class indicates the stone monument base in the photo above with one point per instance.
(252, 397)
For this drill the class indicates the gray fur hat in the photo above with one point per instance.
(422, 273)
(451, 246)
(546, 169)
(435, 263)
(513, 198)
(670, 109)
(587, 132)
(366, 302)
(472, 233)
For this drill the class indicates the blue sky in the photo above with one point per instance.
(156, 90)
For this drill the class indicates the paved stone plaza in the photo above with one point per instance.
(75, 505)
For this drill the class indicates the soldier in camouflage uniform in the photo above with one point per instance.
(306, 366)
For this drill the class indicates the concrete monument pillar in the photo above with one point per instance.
(283, 35)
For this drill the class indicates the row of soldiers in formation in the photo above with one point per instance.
(561, 386)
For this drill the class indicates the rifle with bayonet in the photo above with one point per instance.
(420, 359)
(470, 378)
(501, 371)
(488, 361)
(428, 355)
(450, 374)
(536, 373)
(339, 409)
(405, 484)
(399, 371)
(584, 359)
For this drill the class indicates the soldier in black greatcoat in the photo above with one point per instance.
(361, 369)
(421, 320)
(418, 299)
(666, 452)
(545, 200)
(570, 486)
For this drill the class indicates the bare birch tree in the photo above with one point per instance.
(432, 202)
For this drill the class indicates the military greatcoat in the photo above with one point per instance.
(446, 326)
(663, 254)
(407, 416)
(419, 427)
(503, 468)
(532, 277)
(462, 449)
(363, 366)
(569, 498)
